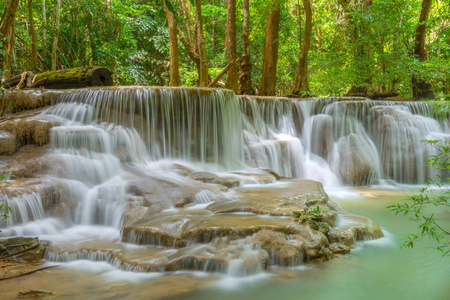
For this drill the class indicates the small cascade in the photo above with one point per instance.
(203, 197)
(201, 125)
(24, 209)
(340, 141)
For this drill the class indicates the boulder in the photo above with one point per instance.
(35, 293)
(358, 160)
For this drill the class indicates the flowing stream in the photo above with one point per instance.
(109, 139)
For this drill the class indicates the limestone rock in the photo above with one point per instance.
(34, 293)
(358, 159)
(28, 131)
(281, 251)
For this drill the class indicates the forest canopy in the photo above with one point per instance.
(273, 47)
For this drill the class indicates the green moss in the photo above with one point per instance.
(79, 74)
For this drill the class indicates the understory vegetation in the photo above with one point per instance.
(320, 47)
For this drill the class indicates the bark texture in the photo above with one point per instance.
(9, 55)
(32, 62)
(8, 20)
(245, 67)
(65, 79)
(174, 57)
(421, 88)
(231, 81)
(203, 78)
(301, 76)
(56, 34)
(270, 59)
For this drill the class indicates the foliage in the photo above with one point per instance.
(354, 44)
(435, 196)
(311, 214)
(4, 209)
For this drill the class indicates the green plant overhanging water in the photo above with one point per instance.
(436, 194)
(5, 210)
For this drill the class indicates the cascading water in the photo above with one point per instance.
(340, 142)
(113, 139)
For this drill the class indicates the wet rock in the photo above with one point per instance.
(35, 253)
(339, 248)
(204, 177)
(28, 131)
(229, 182)
(358, 158)
(322, 131)
(281, 251)
(34, 293)
(30, 99)
(272, 172)
(7, 143)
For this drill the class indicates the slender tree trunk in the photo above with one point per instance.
(270, 59)
(9, 56)
(44, 28)
(56, 34)
(174, 58)
(231, 81)
(203, 78)
(8, 20)
(245, 70)
(32, 63)
(301, 76)
(421, 88)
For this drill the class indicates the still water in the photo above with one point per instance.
(374, 270)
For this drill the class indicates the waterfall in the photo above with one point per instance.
(340, 141)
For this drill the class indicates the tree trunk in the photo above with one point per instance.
(203, 78)
(231, 81)
(245, 68)
(301, 76)
(9, 56)
(174, 59)
(270, 58)
(32, 63)
(66, 79)
(44, 28)
(56, 34)
(421, 88)
(8, 19)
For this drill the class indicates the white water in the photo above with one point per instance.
(106, 133)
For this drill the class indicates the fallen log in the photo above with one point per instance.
(63, 79)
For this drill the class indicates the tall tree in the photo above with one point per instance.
(9, 54)
(231, 81)
(56, 34)
(301, 76)
(203, 78)
(174, 57)
(8, 19)
(32, 62)
(44, 28)
(245, 70)
(422, 88)
(271, 43)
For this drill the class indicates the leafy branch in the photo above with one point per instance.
(417, 206)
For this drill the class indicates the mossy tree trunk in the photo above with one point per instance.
(422, 88)
(56, 35)
(301, 76)
(66, 79)
(32, 62)
(245, 68)
(231, 81)
(270, 59)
